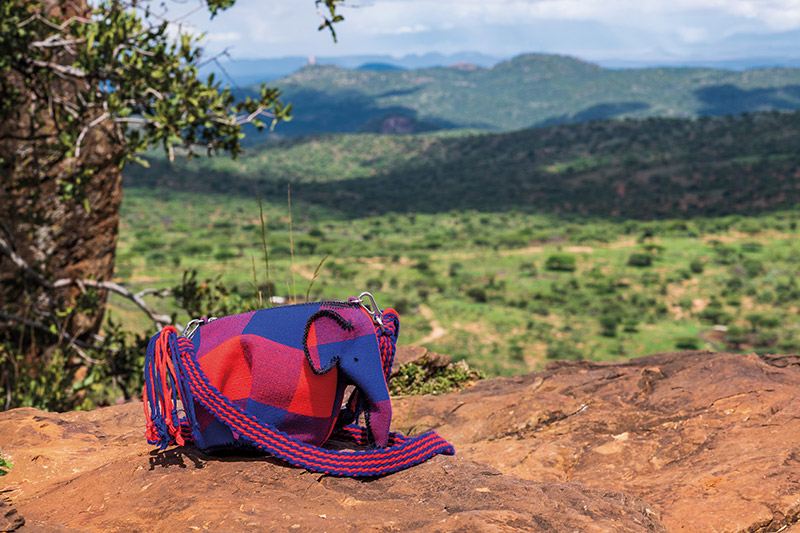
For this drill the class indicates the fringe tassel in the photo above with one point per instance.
(163, 391)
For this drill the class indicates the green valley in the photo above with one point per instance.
(647, 168)
(602, 240)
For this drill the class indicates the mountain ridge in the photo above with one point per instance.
(526, 91)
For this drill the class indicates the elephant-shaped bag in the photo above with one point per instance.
(275, 380)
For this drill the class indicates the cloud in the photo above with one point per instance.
(222, 37)
(591, 28)
(773, 14)
(416, 28)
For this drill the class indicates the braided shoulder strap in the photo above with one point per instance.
(173, 374)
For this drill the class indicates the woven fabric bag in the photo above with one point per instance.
(275, 380)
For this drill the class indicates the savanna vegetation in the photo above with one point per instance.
(651, 168)
(505, 291)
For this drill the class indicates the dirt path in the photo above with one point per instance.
(437, 330)
(307, 274)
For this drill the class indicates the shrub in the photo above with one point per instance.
(753, 267)
(650, 278)
(374, 284)
(687, 343)
(402, 305)
(765, 297)
(752, 247)
(696, 266)
(224, 254)
(714, 313)
(4, 465)
(563, 262)
(528, 268)
(735, 337)
(477, 294)
(609, 323)
(725, 255)
(412, 378)
(629, 325)
(640, 259)
(564, 350)
(770, 322)
(196, 248)
(156, 259)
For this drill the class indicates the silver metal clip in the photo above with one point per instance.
(371, 308)
(195, 323)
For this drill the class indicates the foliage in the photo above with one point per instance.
(530, 315)
(84, 88)
(5, 466)
(685, 168)
(640, 259)
(564, 350)
(65, 381)
(687, 343)
(414, 379)
(563, 262)
(115, 67)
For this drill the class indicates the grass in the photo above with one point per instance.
(483, 277)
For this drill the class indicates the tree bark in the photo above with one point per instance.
(56, 236)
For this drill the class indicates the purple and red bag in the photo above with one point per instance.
(275, 380)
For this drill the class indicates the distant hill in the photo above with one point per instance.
(242, 72)
(527, 91)
(379, 66)
(650, 168)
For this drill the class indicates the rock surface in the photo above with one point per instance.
(710, 440)
(93, 471)
(419, 355)
(692, 441)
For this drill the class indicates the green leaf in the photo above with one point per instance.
(5, 465)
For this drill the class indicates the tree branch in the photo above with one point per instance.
(160, 320)
(86, 129)
(69, 70)
(55, 41)
(75, 344)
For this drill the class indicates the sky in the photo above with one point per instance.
(650, 31)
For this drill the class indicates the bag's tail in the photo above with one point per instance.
(164, 398)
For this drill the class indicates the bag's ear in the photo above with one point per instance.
(323, 329)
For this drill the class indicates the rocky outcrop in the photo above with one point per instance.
(690, 441)
(710, 440)
(93, 471)
(10, 519)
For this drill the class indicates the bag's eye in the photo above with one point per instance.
(355, 359)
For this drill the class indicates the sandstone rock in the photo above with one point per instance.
(711, 440)
(10, 520)
(93, 471)
(693, 441)
(421, 356)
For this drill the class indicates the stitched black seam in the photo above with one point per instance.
(340, 321)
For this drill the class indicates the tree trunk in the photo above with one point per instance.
(55, 235)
